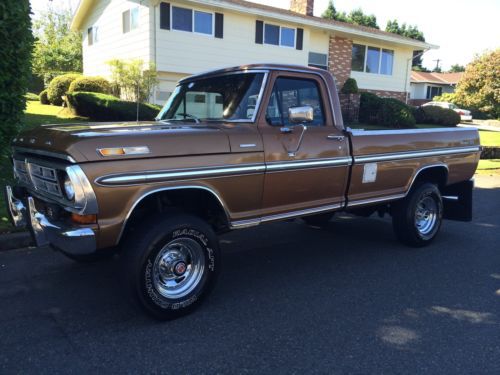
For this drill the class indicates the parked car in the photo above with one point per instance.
(465, 115)
(231, 149)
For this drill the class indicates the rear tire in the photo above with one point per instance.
(416, 219)
(171, 264)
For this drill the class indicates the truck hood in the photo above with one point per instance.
(81, 141)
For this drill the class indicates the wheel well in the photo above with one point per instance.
(436, 174)
(197, 201)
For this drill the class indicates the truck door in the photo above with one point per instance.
(306, 162)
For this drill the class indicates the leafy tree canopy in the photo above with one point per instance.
(409, 31)
(355, 17)
(57, 48)
(456, 68)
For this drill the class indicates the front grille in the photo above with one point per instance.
(40, 178)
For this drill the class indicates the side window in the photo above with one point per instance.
(294, 92)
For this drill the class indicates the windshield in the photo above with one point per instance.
(231, 97)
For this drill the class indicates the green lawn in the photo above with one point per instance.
(35, 114)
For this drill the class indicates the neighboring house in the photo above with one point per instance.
(425, 86)
(183, 37)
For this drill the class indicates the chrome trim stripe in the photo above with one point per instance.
(414, 154)
(44, 153)
(286, 215)
(248, 145)
(308, 163)
(361, 132)
(375, 200)
(179, 174)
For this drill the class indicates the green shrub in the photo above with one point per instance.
(59, 86)
(395, 114)
(43, 97)
(350, 87)
(90, 84)
(50, 75)
(31, 96)
(103, 107)
(15, 62)
(369, 107)
(436, 115)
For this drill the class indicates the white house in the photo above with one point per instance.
(183, 37)
(425, 86)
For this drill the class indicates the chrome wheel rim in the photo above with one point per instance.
(426, 215)
(178, 268)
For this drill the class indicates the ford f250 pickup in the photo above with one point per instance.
(231, 149)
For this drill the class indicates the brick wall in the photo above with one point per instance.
(349, 105)
(339, 59)
(302, 6)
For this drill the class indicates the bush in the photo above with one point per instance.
(369, 107)
(31, 96)
(395, 114)
(436, 115)
(15, 61)
(90, 84)
(59, 86)
(43, 97)
(50, 75)
(103, 107)
(350, 87)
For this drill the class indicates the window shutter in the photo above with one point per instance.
(165, 16)
(219, 25)
(300, 38)
(90, 38)
(126, 21)
(259, 31)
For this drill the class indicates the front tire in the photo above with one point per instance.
(172, 264)
(417, 218)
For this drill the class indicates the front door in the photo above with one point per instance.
(306, 163)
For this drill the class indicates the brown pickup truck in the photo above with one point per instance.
(231, 149)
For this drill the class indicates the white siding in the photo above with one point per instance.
(113, 43)
(418, 91)
(400, 78)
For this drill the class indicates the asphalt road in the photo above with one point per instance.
(290, 299)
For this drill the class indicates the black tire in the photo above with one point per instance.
(99, 255)
(418, 229)
(319, 220)
(154, 251)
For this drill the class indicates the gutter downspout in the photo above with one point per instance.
(408, 66)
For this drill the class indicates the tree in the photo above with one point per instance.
(409, 31)
(456, 68)
(355, 17)
(479, 87)
(132, 80)
(15, 63)
(57, 48)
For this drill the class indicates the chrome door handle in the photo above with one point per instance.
(335, 137)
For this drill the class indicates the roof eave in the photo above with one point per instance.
(80, 14)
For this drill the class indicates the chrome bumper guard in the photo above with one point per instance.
(72, 240)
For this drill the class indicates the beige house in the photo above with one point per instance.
(183, 37)
(425, 86)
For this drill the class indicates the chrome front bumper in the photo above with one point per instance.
(72, 240)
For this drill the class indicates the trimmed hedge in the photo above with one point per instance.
(90, 84)
(436, 115)
(103, 107)
(350, 86)
(31, 96)
(395, 114)
(43, 97)
(59, 86)
(369, 107)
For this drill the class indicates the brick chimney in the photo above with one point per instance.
(305, 7)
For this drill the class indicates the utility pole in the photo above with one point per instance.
(437, 64)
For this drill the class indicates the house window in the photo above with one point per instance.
(279, 36)
(130, 19)
(185, 19)
(92, 35)
(318, 60)
(372, 59)
(433, 91)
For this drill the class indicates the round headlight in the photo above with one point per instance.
(69, 189)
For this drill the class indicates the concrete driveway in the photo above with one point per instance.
(290, 299)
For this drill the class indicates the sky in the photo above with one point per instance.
(461, 28)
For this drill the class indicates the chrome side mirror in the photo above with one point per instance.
(300, 114)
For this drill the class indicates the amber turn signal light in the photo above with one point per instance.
(84, 219)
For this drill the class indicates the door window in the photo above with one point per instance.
(294, 92)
